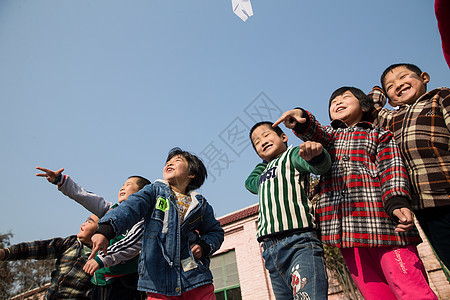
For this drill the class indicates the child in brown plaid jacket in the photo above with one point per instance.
(69, 281)
(421, 127)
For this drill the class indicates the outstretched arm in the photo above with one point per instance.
(92, 202)
(41, 249)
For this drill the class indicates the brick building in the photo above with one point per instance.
(239, 267)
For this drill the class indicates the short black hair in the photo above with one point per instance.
(364, 101)
(195, 167)
(277, 129)
(141, 181)
(411, 67)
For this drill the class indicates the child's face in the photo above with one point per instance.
(88, 229)
(268, 144)
(347, 108)
(176, 172)
(129, 187)
(404, 86)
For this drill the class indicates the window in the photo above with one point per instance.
(226, 278)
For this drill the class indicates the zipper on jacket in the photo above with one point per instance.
(191, 213)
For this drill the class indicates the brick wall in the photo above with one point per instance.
(240, 235)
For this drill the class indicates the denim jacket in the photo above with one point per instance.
(166, 264)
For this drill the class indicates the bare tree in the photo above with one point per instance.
(6, 277)
(20, 276)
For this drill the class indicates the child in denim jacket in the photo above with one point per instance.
(180, 231)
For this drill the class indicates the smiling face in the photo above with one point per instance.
(176, 173)
(88, 229)
(268, 144)
(404, 86)
(346, 107)
(129, 187)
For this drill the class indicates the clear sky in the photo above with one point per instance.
(106, 88)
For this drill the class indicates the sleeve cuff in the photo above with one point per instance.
(100, 262)
(300, 128)
(394, 203)
(58, 179)
(206, 249)
(317, 160)
(107, 230)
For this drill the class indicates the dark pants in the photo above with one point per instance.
(435, 222)
(122, 288)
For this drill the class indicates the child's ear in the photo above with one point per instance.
(425, 77)
(284, 137)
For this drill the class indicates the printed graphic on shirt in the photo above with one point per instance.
(297, 283)
(269, 174)
(183, 203)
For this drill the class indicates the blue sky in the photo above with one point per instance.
(105, 89)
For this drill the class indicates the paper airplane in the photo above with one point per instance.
(242, 8)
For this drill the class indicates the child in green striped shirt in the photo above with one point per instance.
(286, 227)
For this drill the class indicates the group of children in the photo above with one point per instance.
(378, 168)
(161, 249)
(386, 167)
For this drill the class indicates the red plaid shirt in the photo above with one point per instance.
(422, 132)
(367, 172)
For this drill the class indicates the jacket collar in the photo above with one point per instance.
(196, 197)
(341, 124)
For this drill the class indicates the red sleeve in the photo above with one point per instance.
(442, 10)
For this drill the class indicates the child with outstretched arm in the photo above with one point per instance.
(114, 275)
(363, 206)
(293, 254)
(180, 231)
(68, 281)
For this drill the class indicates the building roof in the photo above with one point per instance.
(239, 215)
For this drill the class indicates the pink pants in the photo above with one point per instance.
(388, 273)
(204, 292)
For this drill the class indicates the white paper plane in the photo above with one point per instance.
(242, 8)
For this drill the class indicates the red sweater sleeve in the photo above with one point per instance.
(442, 10)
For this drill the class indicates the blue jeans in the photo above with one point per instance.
(296, 266)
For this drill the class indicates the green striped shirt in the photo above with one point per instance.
(283, 204)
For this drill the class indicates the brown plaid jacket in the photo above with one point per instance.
(69, 281)
(422, 132)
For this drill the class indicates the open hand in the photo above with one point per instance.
(49, 174)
